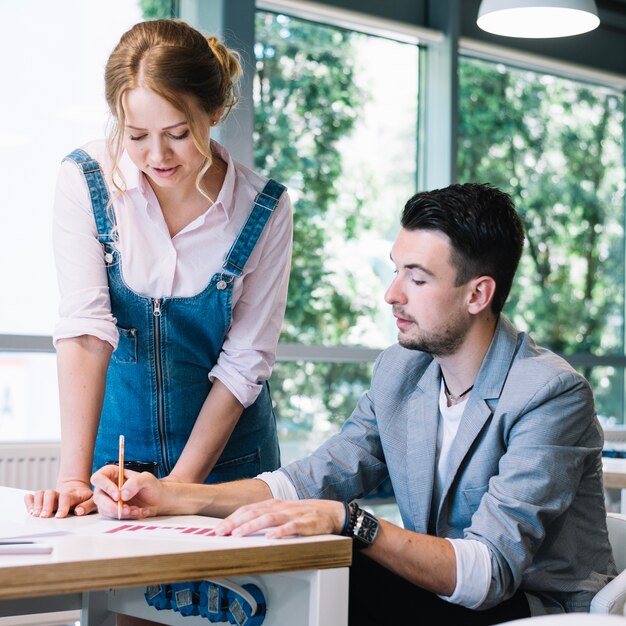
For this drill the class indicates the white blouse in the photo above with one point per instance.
(154, 264)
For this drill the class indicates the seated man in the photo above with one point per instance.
(491, 443)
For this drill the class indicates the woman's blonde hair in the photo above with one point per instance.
(193, 72)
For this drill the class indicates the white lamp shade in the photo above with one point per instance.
(538, 18)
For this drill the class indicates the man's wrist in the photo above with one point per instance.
(346, 520)
(361, 525)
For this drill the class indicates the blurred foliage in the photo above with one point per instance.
(557, 147)
(314, 398)
(306, 101)
(159, 9)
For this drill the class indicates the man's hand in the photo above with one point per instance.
(143, 494)
(70, 496)
(281, 518)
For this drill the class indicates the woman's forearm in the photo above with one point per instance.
(82, 364)
(217, 420)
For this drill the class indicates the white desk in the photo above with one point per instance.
(305, 580)
(614, 472)
(614, 477)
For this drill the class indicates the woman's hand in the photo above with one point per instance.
(70, 496)
(142, 493)
(285, 518)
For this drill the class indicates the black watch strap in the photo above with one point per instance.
(350, 520)
(360, 525)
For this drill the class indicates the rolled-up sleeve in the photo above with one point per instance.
(85, 307)
(249, 350)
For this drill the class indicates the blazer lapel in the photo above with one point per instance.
(489, 384)
(422, 422)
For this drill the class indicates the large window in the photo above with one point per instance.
(557, 145)
(56, 105)
(336, 121)
(54, 55)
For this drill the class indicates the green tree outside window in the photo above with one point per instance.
(336, 121)
(557, 146)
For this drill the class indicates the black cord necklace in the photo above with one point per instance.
(452, 398)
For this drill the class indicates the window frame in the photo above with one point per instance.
(437, 134)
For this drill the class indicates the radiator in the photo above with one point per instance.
(29, 465)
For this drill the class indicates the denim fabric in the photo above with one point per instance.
(158, 376)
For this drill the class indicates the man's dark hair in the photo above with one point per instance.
(486, 233)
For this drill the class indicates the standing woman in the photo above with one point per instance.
(173, 263)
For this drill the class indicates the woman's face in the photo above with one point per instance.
(158, 140)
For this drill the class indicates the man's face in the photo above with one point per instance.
(431, 313)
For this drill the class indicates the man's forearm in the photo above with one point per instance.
(429, 562)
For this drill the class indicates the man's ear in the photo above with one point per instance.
(483, 290)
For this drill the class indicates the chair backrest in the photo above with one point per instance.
(616, 523)
(612, 597)
(568, 619)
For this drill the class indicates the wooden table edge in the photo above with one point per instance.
(95, 575)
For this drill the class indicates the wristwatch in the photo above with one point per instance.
(360, 525)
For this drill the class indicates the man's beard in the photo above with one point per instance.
(437, 344)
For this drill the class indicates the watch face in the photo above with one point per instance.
(367, 527)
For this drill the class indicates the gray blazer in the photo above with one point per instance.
(525, 468)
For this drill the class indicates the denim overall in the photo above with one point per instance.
(157, 379)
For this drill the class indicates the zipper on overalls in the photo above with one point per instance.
(156, 314)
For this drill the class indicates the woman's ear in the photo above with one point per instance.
(483, 290)
(217, 116)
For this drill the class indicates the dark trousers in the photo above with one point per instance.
(380, 598)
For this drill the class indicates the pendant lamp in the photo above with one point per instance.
(537, 18)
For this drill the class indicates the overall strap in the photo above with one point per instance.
(264, 205)
(98, 192)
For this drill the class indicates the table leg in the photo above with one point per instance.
(95, 610)
(329, 597)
